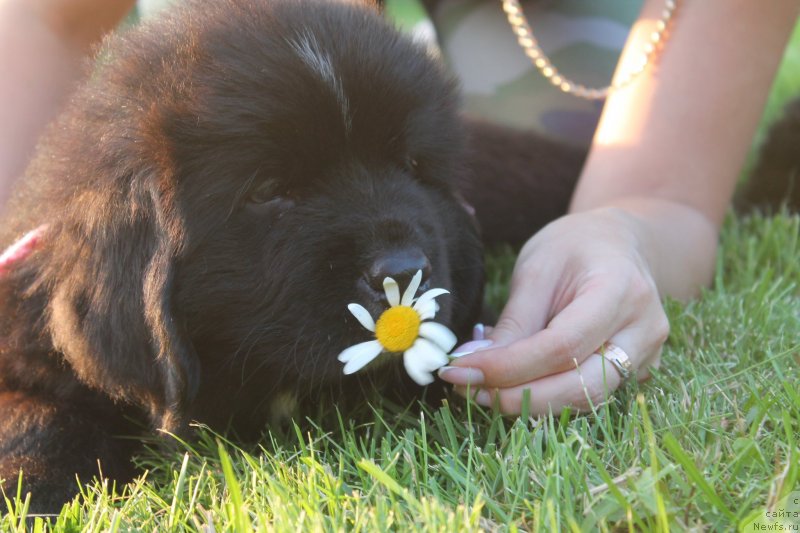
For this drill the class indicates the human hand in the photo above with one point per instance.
(580, 282)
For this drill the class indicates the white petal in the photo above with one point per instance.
(392, 291)
(367, 354)
(419, 375)
(427, 310)
(433, 356)
(422, 359)
(355, 351)
(363, 316)
(428, 296)
(411, 290)
(439, 334)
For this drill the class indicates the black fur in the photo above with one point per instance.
(211, 208)
(775, 179)
(518, 181)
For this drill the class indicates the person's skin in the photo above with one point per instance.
(645, 218)
(43, 44)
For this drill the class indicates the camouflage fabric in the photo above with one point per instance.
(583, 38)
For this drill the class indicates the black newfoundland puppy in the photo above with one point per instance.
(228, 179)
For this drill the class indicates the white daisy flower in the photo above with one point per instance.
(403, 329)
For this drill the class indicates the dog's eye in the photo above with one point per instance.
(269, 198)
(266, 191)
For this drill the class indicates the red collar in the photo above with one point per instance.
(20, 249)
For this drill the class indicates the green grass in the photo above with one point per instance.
(709, 442)
(787, 81)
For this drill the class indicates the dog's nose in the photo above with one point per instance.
(400, 265)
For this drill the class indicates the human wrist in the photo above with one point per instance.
(677, 242)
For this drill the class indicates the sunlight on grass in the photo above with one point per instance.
(709, 442)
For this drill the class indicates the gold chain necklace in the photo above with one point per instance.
(525, 38)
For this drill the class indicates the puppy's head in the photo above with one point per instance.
(233, 176)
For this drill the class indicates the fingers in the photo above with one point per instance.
(589, 384)
(584, 278)
(526, 311)
(646, 340)
(581, 387)
(575, 333)
(521, 316)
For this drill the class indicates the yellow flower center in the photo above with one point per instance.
(397, 328)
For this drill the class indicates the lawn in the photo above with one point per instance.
(711, 442)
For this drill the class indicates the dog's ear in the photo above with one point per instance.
(111, 272)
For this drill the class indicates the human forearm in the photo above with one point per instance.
(42, 44)
(670, 145)
(677, 242)
(681, 130)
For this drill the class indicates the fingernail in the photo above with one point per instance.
(471, 347)
(478, 332)
(461, 375)
(484, 398)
